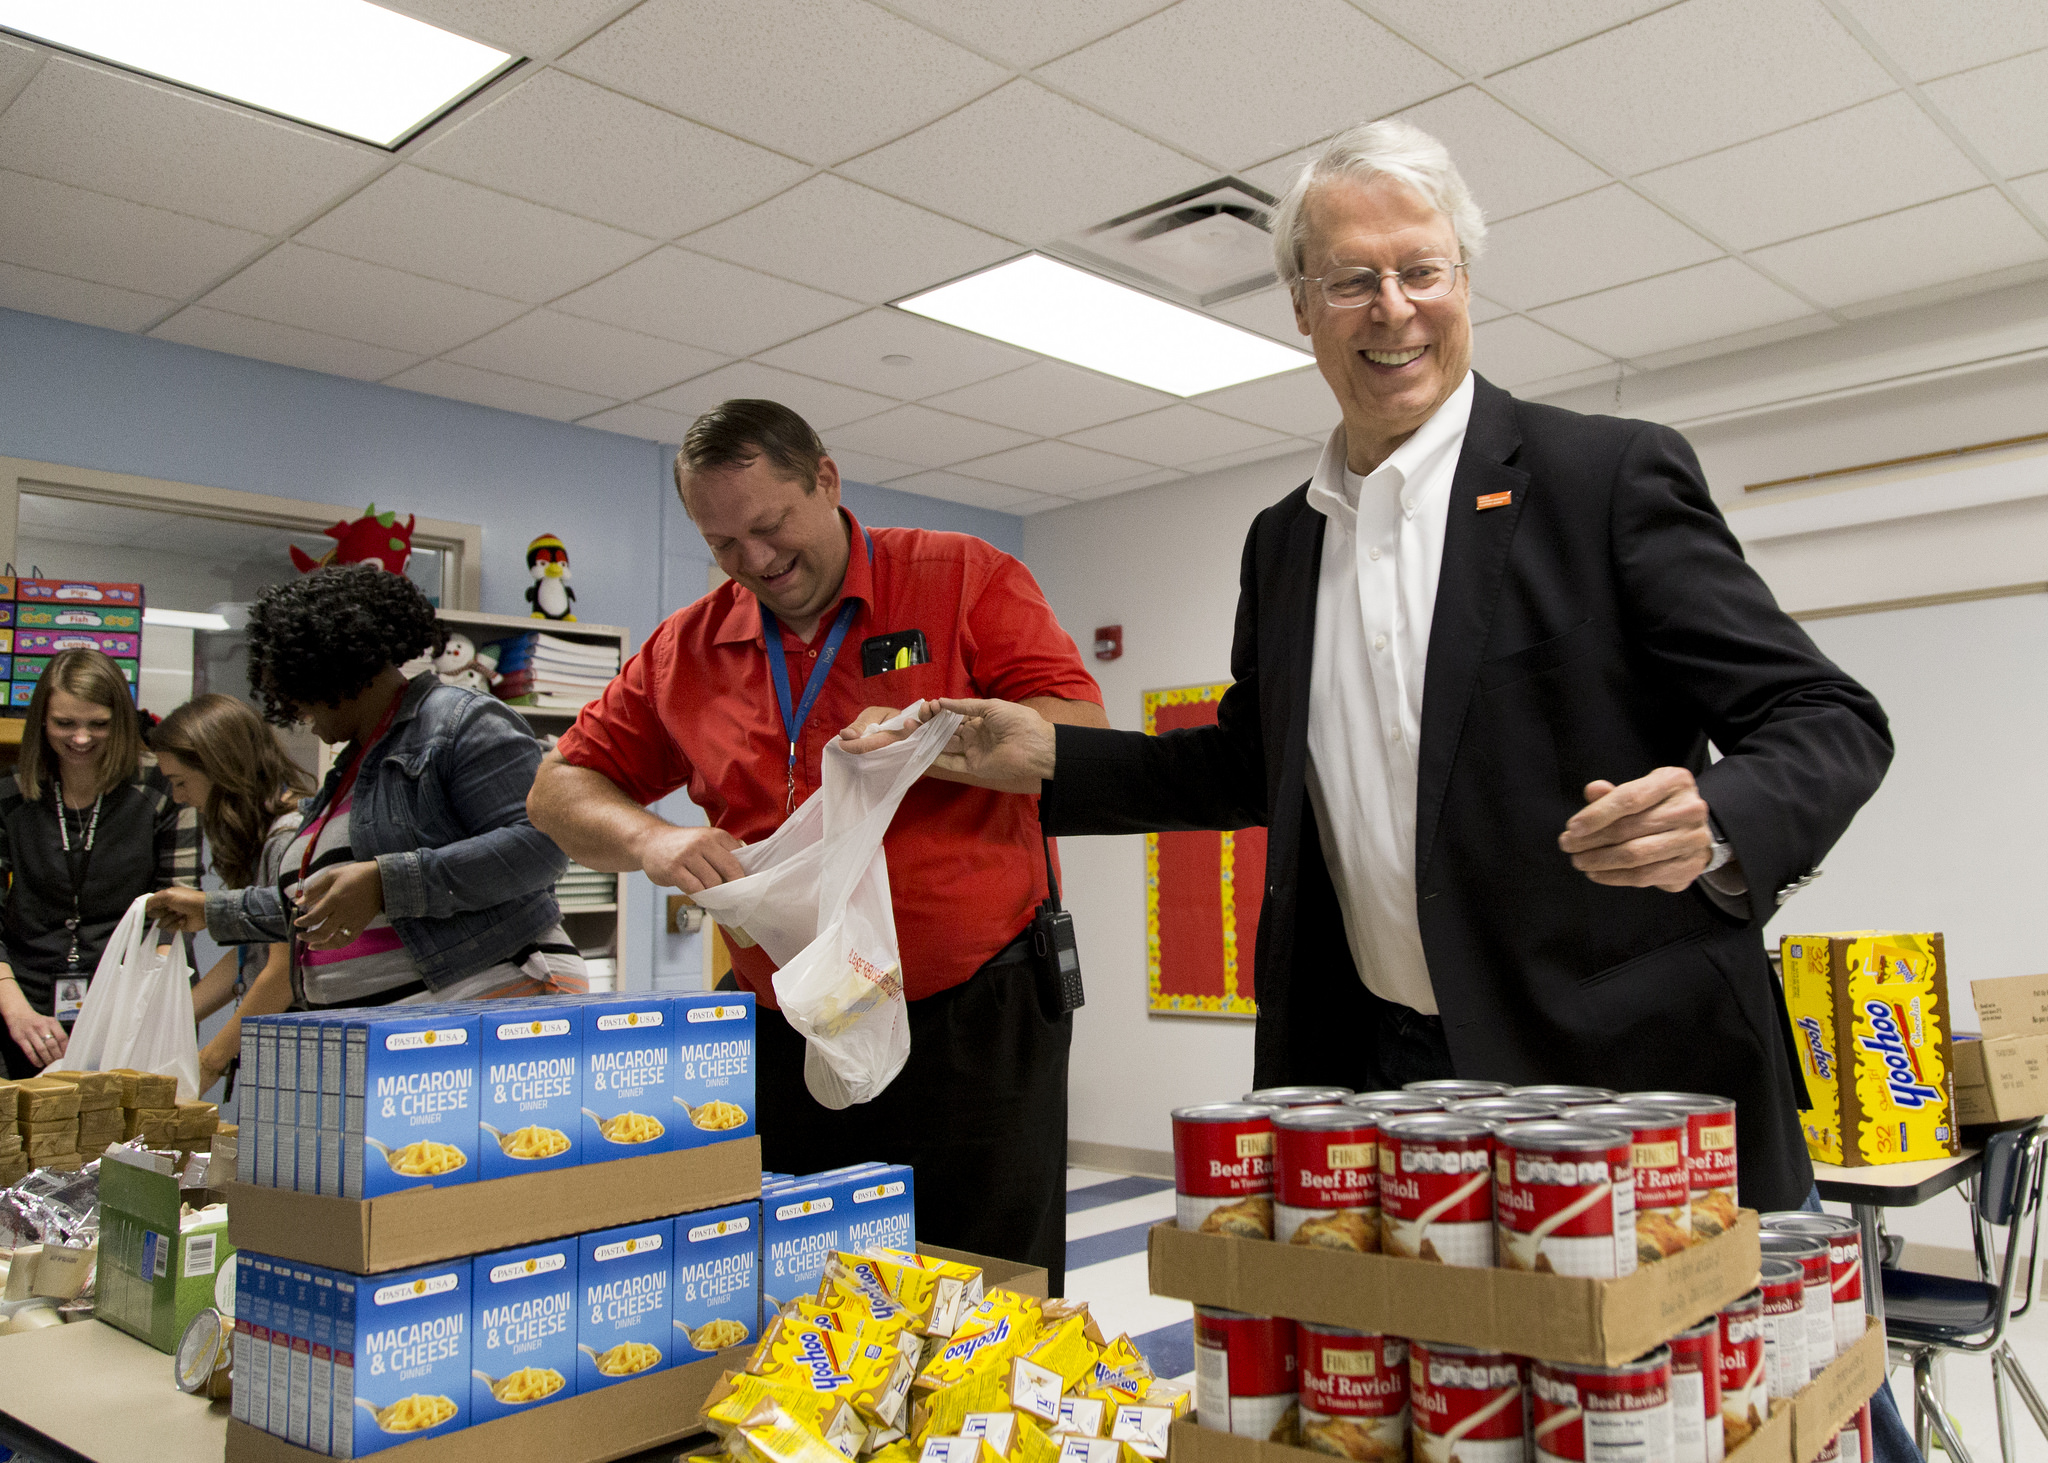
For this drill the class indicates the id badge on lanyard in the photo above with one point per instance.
(69, 998)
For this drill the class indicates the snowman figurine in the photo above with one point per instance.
(457, 655)
(547, 560)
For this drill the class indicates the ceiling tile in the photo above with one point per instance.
(585, 355)
(1168, 75)
(454, 231)
(817, 79)
(67, 230)
(2003, 109)
(1867, 160)
(1482, 309)
(684, 296)
(507, 393)
(1175, 436)
(1974, 234)
(1277, 175)
(857, 353)
(1587, 243)
(1298, 403)
(1050, 398)
(862, 467)
(287, 345)
(1284, 447)
(41, 293)
(851, 240)
(820, 403)
(1122, 485)
(1268, 312)
(1052, 467)
(528, 27)
(333, 295)
(1697, 76)
(1707, 302)
(1028, 165)
(17, 64)
(1934, 37)
(137, 140)
(1040, 503)
(972, 491)
(1485, 35)
(926, 437)
(637, 419)
(2035, 191)
(560, 141)
(1025, 35)
(1510, 165)
(1515, 351)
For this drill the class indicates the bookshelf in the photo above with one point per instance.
(593, 924)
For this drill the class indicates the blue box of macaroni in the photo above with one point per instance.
(714, 1067)
(524, 1329)
(804, 1222)
(715, 1292)
(411, 1343)
(629, 1069)
(531, 1058)
(410, 1102)
(622, 1318)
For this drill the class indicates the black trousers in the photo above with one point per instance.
(979, 1111)
(1407, 1046)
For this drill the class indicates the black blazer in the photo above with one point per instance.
(1602, 624)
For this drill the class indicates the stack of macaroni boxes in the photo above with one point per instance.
(905, 1358)
(804, 1219)
(1871, 1022)
(348, 1365)
(361, 1103)
(46, 616)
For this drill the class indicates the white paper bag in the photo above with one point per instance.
(138, 1008)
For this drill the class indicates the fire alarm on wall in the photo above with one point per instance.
(1109, 642)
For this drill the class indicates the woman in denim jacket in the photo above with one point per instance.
(416, 875)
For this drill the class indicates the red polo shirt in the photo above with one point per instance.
(696, 709)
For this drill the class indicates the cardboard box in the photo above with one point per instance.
(97, 1091)
(44, 1099)
(419, 1226)
(2001, 1078)
(154, 1277)
(1558, 1317)
(1871, 1023)
(146, 1089)
(2014, 1006)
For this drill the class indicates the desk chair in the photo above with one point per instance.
(1930, 1315)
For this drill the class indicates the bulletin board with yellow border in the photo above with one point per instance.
(1201, 918)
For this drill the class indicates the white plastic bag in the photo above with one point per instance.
(816, 900)
(138, 1009)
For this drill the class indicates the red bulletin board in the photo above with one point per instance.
(1200, 918)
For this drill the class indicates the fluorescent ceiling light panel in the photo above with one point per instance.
(345, 65)
(1072, 315)
(184, 619)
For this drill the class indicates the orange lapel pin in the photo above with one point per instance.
(1495, 500)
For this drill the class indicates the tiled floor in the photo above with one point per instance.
(1107, 1216)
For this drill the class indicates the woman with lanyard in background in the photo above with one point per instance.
(85, 830)
(416, 875)
(219, 757)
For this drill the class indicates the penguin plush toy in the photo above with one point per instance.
(547, 560)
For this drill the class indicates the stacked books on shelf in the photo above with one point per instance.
(581, 888)
(551, 672)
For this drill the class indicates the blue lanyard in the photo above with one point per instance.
(793, 720)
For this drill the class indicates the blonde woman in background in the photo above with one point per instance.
(219, 757)
(86, 828)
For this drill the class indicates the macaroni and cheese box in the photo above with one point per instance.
(524, 1329)
(622, 1324)
(714, 1067)
(531, 1053)
(52, 616)
(409, 1342)
(1871, 1022)
(803, 1223)
(251, 1402)
(629, 1047)
(320, 1389)
(280, 1391)
(410, 1103)
(299, 1288)
(716, 1288)
(77, 591)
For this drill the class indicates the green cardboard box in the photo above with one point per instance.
(153, 1276)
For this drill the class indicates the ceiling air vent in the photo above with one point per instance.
(1201, 247)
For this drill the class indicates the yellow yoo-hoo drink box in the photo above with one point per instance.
(1870, 1021)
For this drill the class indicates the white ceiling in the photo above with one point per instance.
(680, 201)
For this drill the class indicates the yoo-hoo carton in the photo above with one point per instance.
(1871, 1022)
(532, 1100)
(629, 1049)
(411, 1348)
(622, 1321)
(410, 1110)
(524, 1331)
(716, 1289)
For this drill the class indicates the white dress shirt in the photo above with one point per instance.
(1375, 599)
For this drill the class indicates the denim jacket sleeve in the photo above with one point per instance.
(246, 916)
(486, 770)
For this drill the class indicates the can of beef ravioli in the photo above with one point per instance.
(1245, 1374)
(1326, 1164)
(1469, 1406)
(1354, 1393)
(1663, 1185)
(1844, 1239)
(1601, 1414)
(1696, 1428)
(1436, 1189)
(1564, 1203)
(1745, 1401)
(1223, 1169)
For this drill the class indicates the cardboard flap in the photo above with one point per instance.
(2012, 1006)
(1832, 1398)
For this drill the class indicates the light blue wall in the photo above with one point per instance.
(87, 397)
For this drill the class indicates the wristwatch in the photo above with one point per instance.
(1724, 851)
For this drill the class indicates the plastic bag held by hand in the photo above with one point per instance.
(138, 1008)
(816, 900)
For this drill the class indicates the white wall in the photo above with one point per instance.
(1964, 683)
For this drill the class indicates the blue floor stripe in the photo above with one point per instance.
(1113, 1192)
(1112, 1245)
(1170, 1350)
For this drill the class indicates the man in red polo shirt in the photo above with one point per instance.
(878, 618)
